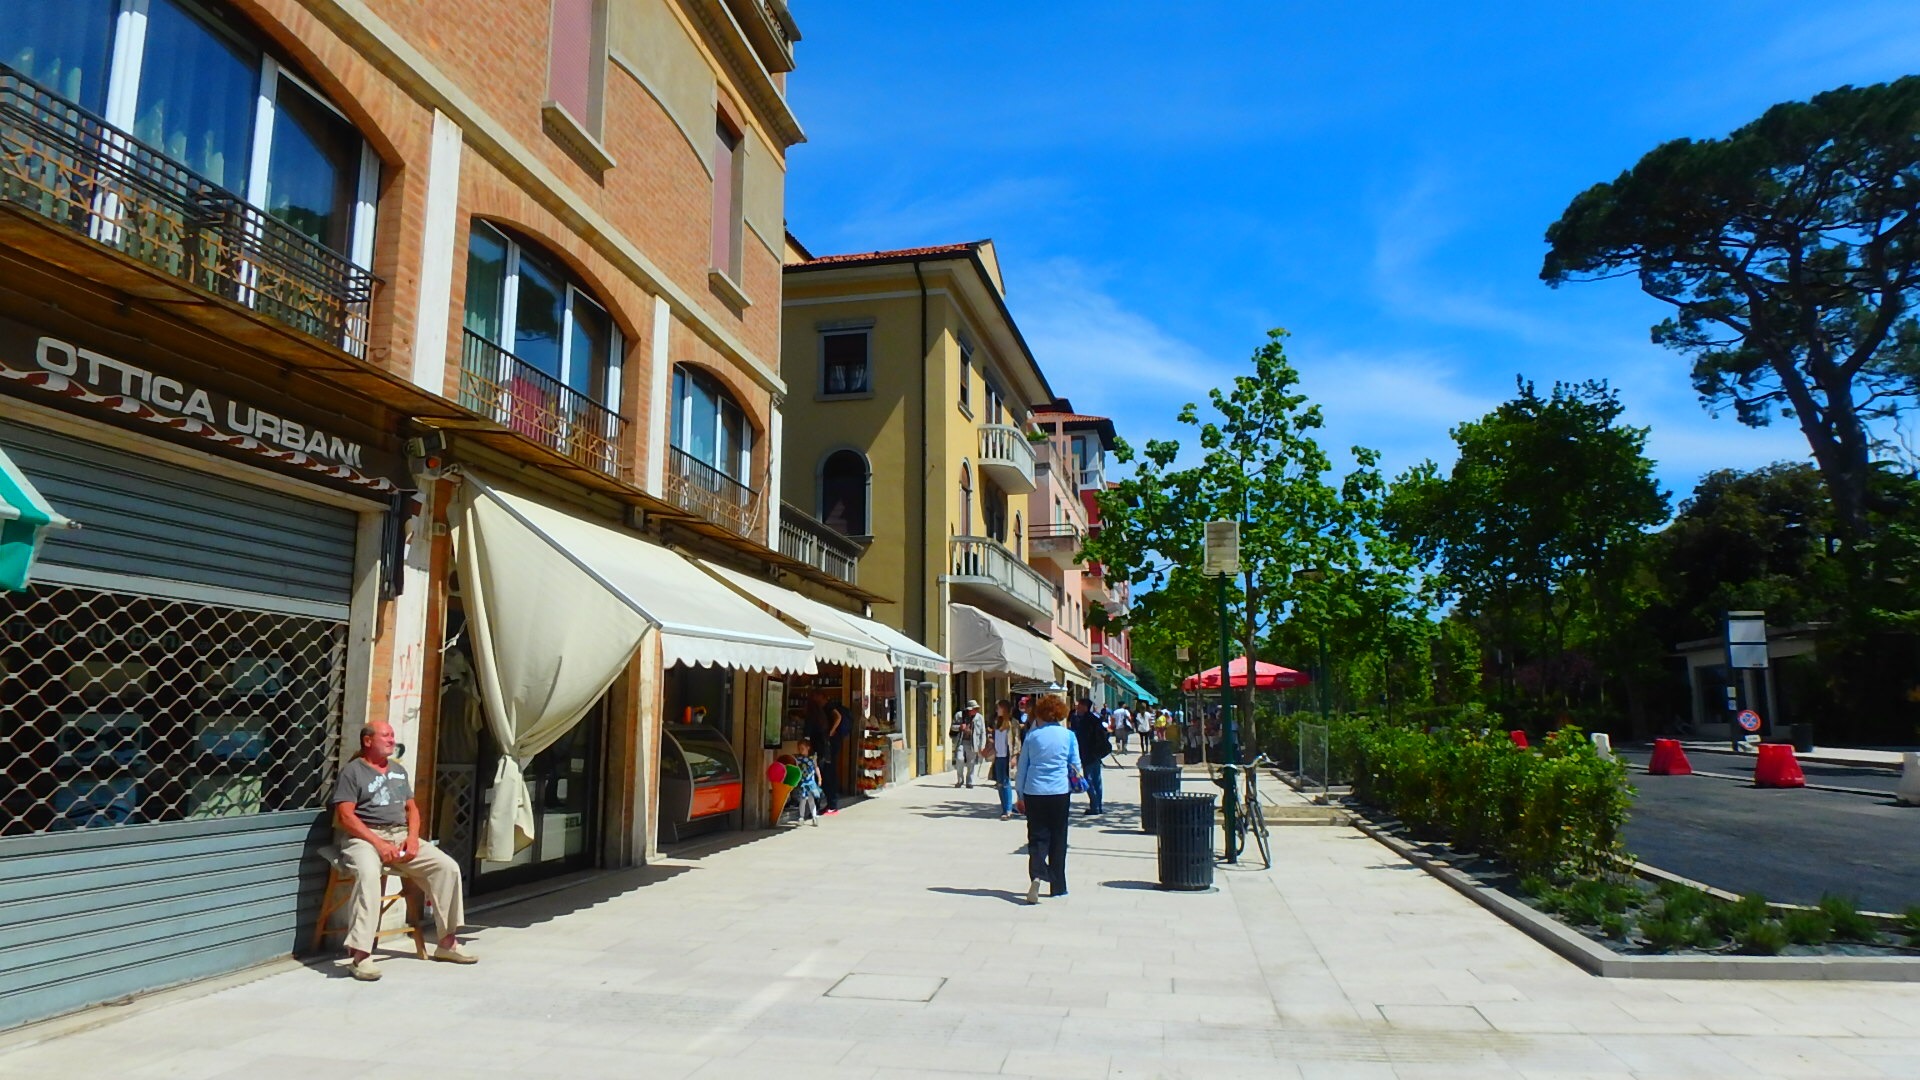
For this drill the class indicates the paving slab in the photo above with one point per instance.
(892, 942)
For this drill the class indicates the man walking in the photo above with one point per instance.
(968, 736)
(1121, 723)
(1095, 745)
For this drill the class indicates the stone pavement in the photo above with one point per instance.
(890, 942)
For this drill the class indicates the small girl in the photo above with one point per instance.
(809, 790)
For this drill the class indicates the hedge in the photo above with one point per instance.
(1557, 809)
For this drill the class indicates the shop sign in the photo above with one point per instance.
(112, 377)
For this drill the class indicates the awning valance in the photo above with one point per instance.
(906, 652)
(25, 518)
(1133, 687)
(983, 642)
(1070, 671)
(701, 622)
(835, 638)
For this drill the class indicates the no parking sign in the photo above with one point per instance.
(1748, 720)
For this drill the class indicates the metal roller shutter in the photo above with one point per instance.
(149, 518)
(172, 692)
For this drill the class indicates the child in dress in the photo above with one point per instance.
(809, 791)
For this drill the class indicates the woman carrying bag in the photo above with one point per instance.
(1049, 770)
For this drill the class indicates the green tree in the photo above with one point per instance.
(1787, 251)
(1259, 463)
(1760, 540)
(1547, 493)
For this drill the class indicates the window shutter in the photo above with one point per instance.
(570, 74)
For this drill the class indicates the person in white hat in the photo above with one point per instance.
(967, 735)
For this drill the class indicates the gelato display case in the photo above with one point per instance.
(700, 782)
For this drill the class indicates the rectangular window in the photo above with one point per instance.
(844, 367)
(726, 199)
(64, 45)
(966, 378)
(576, 61)
(197, 94)
(996, 405)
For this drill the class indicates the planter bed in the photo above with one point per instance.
(1496, 888)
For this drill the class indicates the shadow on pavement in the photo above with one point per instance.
(591, 892)
(1149, 886)
(1008, 895)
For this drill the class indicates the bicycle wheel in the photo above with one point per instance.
(1255, 819)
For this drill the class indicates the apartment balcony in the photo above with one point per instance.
(1094, 476)
(807, 539)
(513, 393)
(1007, 457)
(697, 487)
(156, 230)
(983, 569)
(1057, 541)
(1093, 584)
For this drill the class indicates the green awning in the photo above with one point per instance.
(1133, 687)
(25, 518)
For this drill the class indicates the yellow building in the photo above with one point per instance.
(906, 425)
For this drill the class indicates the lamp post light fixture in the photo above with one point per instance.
(1221, 560)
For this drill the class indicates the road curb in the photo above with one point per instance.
(1597, 959)
(1748, 780)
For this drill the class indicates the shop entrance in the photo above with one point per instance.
(564, 780)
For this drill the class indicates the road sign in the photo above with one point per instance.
(1222, 549)
(1747, 640)
(1748, 720)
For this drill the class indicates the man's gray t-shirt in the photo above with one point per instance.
(378, 798)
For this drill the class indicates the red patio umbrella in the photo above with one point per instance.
(1265, 677)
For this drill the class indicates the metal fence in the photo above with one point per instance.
(121, 709)
(502, 387)
(1315, 761)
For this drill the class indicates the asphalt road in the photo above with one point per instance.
(1790, 844)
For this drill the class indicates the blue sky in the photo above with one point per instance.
(1164, 182)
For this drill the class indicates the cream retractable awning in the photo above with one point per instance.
(983, 642)
(835, 638)
(700, 621)
(906, 652)
(1071, 670)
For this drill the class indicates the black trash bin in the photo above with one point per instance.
(1802, 737)
(1184, 824)
(1161, 753)
(1155, 780)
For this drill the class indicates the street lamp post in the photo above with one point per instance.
(1318, 575)
(1222, 560)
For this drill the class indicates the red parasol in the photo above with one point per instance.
(1265, 677)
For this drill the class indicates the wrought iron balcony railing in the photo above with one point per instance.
(502, 387)
(811, 541)
(696, 486)
(75, 170)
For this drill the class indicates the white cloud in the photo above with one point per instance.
(1094, 348)
(902, 213)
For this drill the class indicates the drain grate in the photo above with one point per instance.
(887, 987)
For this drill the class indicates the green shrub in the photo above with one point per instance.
(1807, 927)
(1911, 925)
(1666, 931)
(1733, 920)
(1847, 922)
(1557, 810)
(1683, 901)
(1762, 937)
(1614, 926)
(1534, 885)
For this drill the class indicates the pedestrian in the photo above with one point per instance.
(809, 791)
(968, 736)
(1095, 745)
(1143, 726)
(1121, 724)
(1049, 765)
(832, 739)
(1006, 752)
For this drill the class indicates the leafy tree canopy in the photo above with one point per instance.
(1787, 250)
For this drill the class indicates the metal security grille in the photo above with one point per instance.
(123, 709)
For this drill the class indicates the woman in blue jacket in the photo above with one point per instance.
(1049, 762)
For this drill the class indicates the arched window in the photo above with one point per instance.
(844, 491)
(966, 499)
(709, 426)
(1017, 539)
(204, 88)
(524, 301)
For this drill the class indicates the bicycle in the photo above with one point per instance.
(1252, 816)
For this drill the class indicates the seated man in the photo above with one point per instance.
(374, 809)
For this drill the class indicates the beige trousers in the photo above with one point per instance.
(438, 874)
